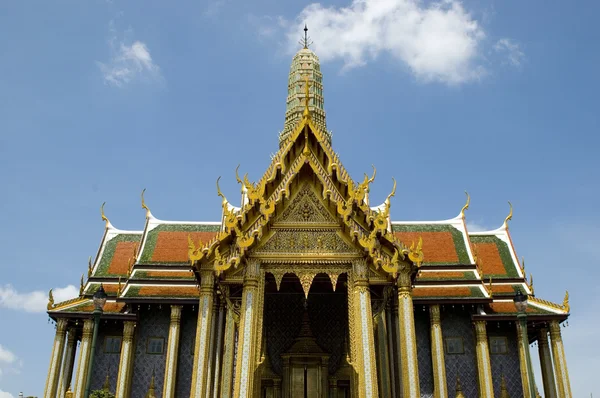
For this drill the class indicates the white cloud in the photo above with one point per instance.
(476, 227)
(4, 394)
(9, 362)
(511, 49)
(35, 301)
(130, 60)
(6, 356)
(437, 41)
(213, 8)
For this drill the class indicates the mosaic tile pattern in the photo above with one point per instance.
(185, 363)
(153, 323)
(506, 363)
(106, 363)
(457, 323)
(424, 352)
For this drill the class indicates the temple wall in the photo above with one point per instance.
(153, 323)
(185, 362)
(422, 331)
(106, 363)
(457, 323)
(506, 363)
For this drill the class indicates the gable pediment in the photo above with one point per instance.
(305, 209)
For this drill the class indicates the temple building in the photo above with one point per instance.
(307, 289)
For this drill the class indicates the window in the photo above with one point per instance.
(498, 345)
(112, 344)
(454, 345)
(156, 345)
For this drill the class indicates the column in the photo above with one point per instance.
(228, 343)
(68, 361)
(277, 388)
(201, 358)
(219, 348)
(546, 364)
(398, 351)
(408, 341)
(245, 366)
(392, 357)
(56, 358)
(211, 350)
(523, 347)
(172, 352)
(125, 361)
(560, 362)
(383, 361)
(84, 358)
(440, 387)
(367, 370)
(484, 367)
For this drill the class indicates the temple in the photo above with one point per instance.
(307, 289)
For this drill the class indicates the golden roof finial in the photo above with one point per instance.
(305, 41)
(148, 213)
(224, 201)
(531, 284)
(237, 177)
(466, 206)
(509, 217)
(490, 288)
(566, 305)
(81, 286)
(416, 254)
(104, 218)
(307, 85)
(374, 174)
(522, 265)
(50, 300)
(393, 193)
(90, 266)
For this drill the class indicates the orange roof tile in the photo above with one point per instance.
(172, 247)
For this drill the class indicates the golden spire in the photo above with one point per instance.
(305, 42)
(503, 389)
(509, 217)
(148, 214)
(104, 218)
(151, 393)
(459, 391)
(466, 206)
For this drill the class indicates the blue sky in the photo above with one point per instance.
(100, 99)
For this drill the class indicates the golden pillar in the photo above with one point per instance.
(84, 358)
(211, 350)
(201, 358)
(389, 319)
(523, 347)
(66, 374)
(484, 367)
(56, 359)
(172, 352)
(440, 387)
(560, 362)
(247, 340)
(383, 361)
(219, 348)
(397, 352)
(408, 342)
(363, 329)
(546, 364)
(125, 361)
(231, 319)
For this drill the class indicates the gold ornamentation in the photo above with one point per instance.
(119, 287)
(566, 306)
(144, 205)
(530, 284)
(522, 265)
(81, 286)
(50, 300)
(307, 85)
(466, 206)
(90, 266)
(104, 218)
(306, 241)
(333, 277)
(415, 254)
(509, 217)
(459, 390)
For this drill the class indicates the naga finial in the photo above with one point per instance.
(50, 300)
(566, 305)
(104, 218)
(148, 214)
(374, 174)
(237, 177)
(221, 193)
(393, 193)
(81, 286)
(531, 284)
(416, 254)
(509, 217)
(90, 266)
(466, 206)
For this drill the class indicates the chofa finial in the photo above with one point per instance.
(509, 217)
(148, 213)
(466, 206)
(104, 218)
(50, 300)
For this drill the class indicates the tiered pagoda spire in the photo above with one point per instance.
(305, 67)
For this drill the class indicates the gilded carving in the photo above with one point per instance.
(305, 208)
(307, 241)
(306, 281)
